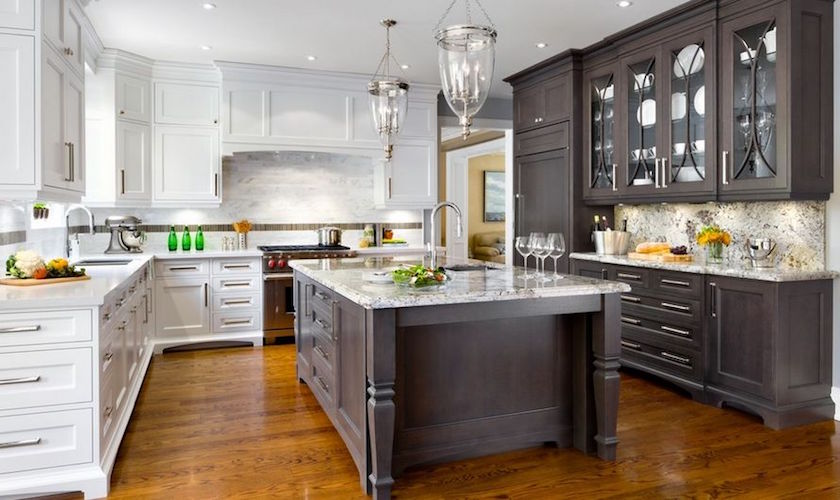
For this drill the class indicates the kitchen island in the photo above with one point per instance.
(489, 362)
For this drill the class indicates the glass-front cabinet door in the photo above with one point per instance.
(687, 167)
(752, 102)
(600, 118)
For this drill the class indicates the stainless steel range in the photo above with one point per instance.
(278, 284)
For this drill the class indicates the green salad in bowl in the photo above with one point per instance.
(419, 276)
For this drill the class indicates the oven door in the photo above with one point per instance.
(278, 305)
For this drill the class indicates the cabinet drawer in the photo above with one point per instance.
(679, 311)
(112, 398)
(634, 276)
(323, 382)
(542, 139)
(322, 322)
(236, 266)
(224, 302)
(322, 297)
(111, 354)
(655, 331)
(682, 362)
(675, 283)
(18, 329)
(237, 321)
(324, 347)
(178, 267)
(239, 284)
(31, 379)
(44, 440)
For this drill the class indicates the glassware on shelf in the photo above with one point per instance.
(558, 248)
(688, 110)
(642, 126)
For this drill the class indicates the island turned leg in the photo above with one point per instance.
(381, 375)
(606, 347)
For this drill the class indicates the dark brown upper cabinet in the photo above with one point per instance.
(600, 171)
(544, 103)
(775, 100)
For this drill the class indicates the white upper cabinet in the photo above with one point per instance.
(133, 97)
(134, 163)
(17, 14)
(187, 164)
(62, 25)
(187, 104)
(17, 110)
(410, 178)
(310, 115)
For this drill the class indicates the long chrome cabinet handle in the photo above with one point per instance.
(631, 321)
(20, 329)
(673, 357)
(664, 172)
(321, 352)
(184, 268)
(656, 180)
(675, 307)
(234, 284)
(333, 315)
(321, 295)
(677, 331)
(614, 178)
(322, 324)
(631, 345)
(206, 295)
(713, 287)
(629, 298)
(724, 162)
(122, 181)
(323, 384)
(237, 302)
(21, 380)
(628, 276)
(237, 322)
(69, 177)
(684, 284)
(17, 444)
(237, 266)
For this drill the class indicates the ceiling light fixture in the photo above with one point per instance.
(466, 57)
(624, 3)
(208, 6)
(404, 66)
(311, 58)
(542, 45)
(388, 96)
(206, 47)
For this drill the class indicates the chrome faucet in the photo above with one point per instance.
(459, 229)
(70, 209)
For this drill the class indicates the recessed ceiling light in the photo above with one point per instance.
(208, 6)
(542, 45)
(311, 58)
(206, 47)
(404, 66)
(624, 3)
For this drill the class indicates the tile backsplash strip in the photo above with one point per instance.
(18, 232)
(798, 227)
(285, 195)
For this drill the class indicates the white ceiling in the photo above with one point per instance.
(345, 35)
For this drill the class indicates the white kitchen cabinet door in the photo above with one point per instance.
(62, 26)
(181, 104)
(134, 166)
(74, 116)
(314, 115)
(410, 178)
(55, 151)
(52, 23)
(187, 164)
(133, 97)
(182, 306)
(17, 14)
(17, 110)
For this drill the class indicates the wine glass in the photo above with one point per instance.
(558, 248)
(541, 249)
(523, 246)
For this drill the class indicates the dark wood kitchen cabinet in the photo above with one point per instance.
(599, 128)
(776, 100)
(543, 103)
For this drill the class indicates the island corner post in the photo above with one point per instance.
(532, 371)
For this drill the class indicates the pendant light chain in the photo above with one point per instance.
(469, 13)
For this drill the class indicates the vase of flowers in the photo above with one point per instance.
(714, 239)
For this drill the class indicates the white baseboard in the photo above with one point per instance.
(835, 395)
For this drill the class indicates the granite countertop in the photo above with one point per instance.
(346, 276)
(732, 269)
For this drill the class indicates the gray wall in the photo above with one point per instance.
(495, 108)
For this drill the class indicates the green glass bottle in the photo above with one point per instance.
(173, 239)
(199, 240)
(186, 241)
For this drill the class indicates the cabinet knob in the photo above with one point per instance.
(122, 111)
(215, 122)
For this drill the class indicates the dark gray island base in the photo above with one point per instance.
(486, 365)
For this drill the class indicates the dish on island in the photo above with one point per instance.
(420, 276)
(28, 265)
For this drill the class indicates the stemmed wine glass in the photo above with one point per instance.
(523, 246)
(557, 243)
(541, 249)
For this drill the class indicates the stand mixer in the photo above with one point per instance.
(761, 251)
(125, 235)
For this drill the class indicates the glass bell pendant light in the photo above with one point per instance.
(388, 96)
(466, 56)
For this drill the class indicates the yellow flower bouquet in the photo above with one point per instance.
(714, 239)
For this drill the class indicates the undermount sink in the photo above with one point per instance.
(103, 262)
(468, 267)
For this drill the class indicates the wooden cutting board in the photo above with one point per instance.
(34, 282)
(660, 257)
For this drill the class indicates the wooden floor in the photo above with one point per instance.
(236, 424)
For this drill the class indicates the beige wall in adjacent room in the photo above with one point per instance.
(477, 167)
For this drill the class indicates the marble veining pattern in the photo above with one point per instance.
(732, 269)
(798, 227)
(346, 276)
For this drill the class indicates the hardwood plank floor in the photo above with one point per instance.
(237, 424)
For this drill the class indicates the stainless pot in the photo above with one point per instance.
(329, 236)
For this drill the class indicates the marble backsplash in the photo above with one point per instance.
(798, 227)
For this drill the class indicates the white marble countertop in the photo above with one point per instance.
(347, 277)
(205, 254)
(732, 269)
(103, 280)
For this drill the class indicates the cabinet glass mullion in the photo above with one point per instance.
(602, 115)
(688, 114)
(641, 122)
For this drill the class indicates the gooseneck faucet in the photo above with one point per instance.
(70, 209)
(459, 229)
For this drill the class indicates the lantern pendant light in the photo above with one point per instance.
(466, 56)
(388, 96)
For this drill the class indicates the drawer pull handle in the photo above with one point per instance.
(18, 444)
(106, 317)
(684, 284)
(673, 357)
(22, 380)
(675, 307)
(322, 324)
(630, 321)
(677, 331)
(237, 302)
(628, 276)
(20, 329)
(237, 322)
(324, 386)
(184, 268)
(234, 284)
(630, 298)
(108, 411)
(237, 266)
(108, 356)
(631, 345)
(322, 295)
(321, 352)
